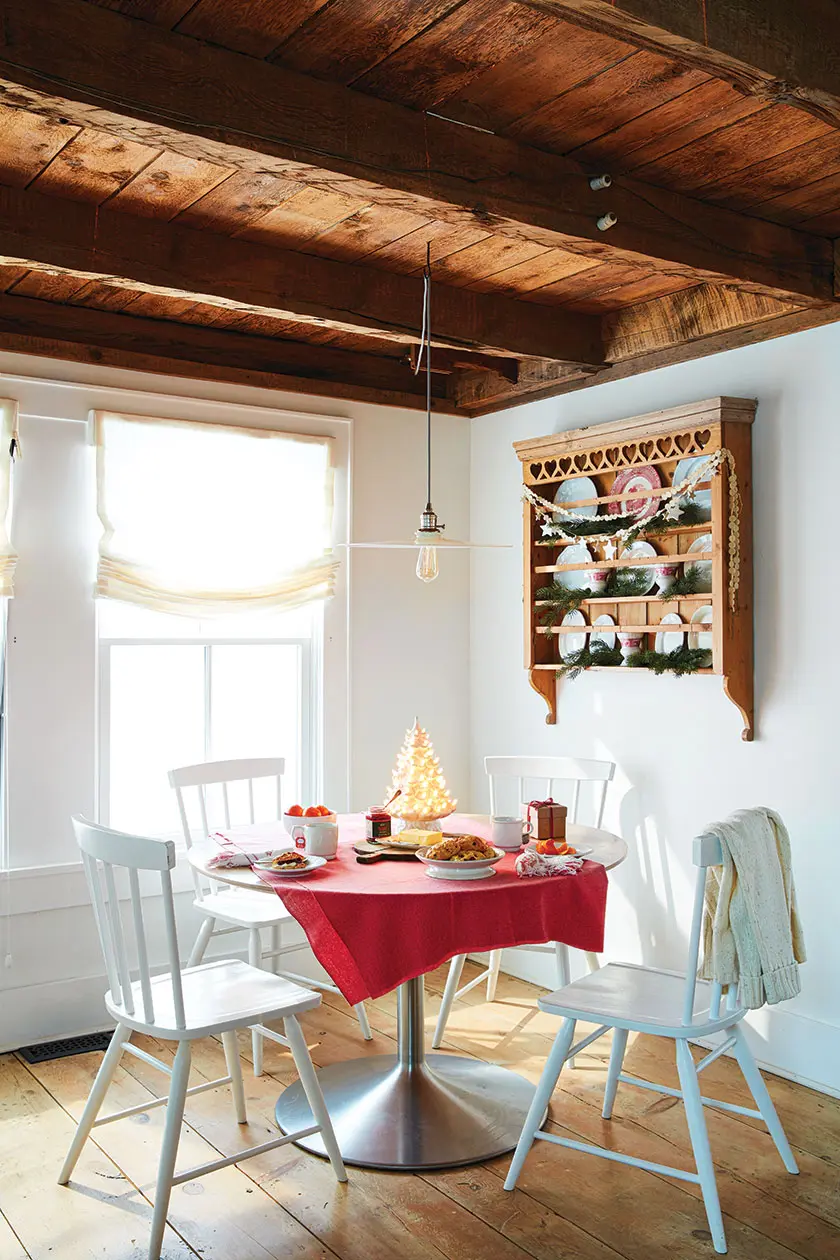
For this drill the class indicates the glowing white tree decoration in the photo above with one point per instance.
(417, 778)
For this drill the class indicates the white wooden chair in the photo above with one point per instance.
(214, 998)
(240, 909)
(544, 772)
(625, 997)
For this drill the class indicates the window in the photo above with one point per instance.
(174, 691)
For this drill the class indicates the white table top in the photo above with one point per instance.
(608, 849)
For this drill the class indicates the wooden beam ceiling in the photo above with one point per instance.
(777, 50)
(31, 326)
(171, 91)
(47, 233)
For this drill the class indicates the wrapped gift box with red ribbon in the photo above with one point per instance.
(547, 820)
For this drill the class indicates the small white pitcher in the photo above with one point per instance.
(318, 838)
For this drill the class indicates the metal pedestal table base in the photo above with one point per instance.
(406, 1111)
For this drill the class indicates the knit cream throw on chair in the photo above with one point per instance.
(752, 935)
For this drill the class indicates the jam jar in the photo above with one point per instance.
(377, 823)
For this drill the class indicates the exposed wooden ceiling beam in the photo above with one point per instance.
(171, 91)
(710, 324)
(778, 50)
(47, 233)
(30, 326)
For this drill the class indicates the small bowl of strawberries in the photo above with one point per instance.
(297, 815)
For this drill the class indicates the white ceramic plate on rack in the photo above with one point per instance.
(701, 638)
(685, 468)
(572, 490)
(571, 643)
(578, 579)
(605, 636)
(701, 544)
(669, 641)
(640, 548)
(480, 869)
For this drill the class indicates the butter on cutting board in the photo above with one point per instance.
(413, 835)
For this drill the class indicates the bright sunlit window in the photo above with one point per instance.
(174, 691)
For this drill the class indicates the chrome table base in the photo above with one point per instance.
(407, 1111)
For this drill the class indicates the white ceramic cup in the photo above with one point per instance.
(665, 576)
(506, 833)
(318, 838)
(598, 579)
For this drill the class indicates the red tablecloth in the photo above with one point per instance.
(373, 927)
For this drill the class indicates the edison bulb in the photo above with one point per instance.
(427, 565)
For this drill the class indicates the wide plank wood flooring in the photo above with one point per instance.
(286, 1204)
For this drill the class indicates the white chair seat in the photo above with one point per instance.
(243, 908)
(624, 995)
(218, 996)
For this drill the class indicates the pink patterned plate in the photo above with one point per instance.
(644, 478)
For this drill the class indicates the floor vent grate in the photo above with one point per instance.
(62, 1049)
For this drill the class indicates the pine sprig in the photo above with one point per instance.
(624, 582)
(683, 660)
(688, 583)
(596, 653)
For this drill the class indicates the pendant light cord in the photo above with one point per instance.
(425, 352)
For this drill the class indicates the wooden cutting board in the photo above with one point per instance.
(368, 853)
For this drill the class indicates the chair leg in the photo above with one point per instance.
(312, 1089)
(169, 1149)
(201, 941)
(593, 962)
(234, 1067)
(104, 1076)
(451, 988)
(361, 1016)
(493, 973)
(619, 1045)
(274, 936)
(755, 1081)
(700, 1142)
(564, 971)
(255, 959)
(545, 1088)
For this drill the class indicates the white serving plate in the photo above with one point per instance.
(703, 498)
(606, 637)
(670, 640)
(312, 864)
(701, 638)
(581, 851)
(572, 490)
(481, 869)
(638, 549)
(701, 544)
(577, 579)
(571, 643)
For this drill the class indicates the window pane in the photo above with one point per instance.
(256, 711)
(157, 723)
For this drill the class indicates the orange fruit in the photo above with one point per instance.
(295, 811)
(313, 811)
(324, 811)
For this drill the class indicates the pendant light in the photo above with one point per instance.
(428, 538)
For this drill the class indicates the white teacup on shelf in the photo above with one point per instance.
(665, 576)
(630, 645)
(598, 579)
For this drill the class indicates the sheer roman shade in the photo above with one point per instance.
(209, 519)
(8, 435)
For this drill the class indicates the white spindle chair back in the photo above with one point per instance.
(707, 852)
(105, 852)
(545, 772)
(216, 813)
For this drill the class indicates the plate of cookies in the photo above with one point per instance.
(460, 857)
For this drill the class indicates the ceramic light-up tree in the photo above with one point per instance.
(422, 798)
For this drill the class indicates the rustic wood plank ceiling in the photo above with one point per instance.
(248, 187)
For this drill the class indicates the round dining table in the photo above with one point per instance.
(411, 1110)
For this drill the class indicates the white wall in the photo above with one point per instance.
(404, 645)
(681, 761)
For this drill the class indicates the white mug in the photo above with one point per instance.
(317, 838)
(506, 833)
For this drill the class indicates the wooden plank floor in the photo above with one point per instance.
(287, 1205)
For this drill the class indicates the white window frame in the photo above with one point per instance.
(310, 702)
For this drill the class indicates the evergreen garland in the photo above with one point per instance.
(683, 660)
